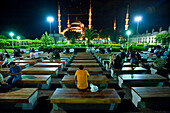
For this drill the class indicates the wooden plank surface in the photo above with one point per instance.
(142, 78)
(38, 59)
(48, 65)
(53, 61)
(90, 70)
(66, 95)
(84, 61)
(37, 79)
(130, 69)
(153, 93)
(84, 58)
(94, 79)
(84, 64)
(17, 95)
(4, 70)
(40, 70)
(25, 61)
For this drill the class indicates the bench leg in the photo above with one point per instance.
(135, 98)
(120, 82)
(32, 102)
(55, 106)
(160, 84)
(47, 85)
(111, 107)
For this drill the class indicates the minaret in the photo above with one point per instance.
(114, 24)
(68, 22)
(90, 15)
(127, 19)
(59, 19)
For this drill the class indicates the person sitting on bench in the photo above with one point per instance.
(111, 61)
(16, 53)
(3, 85)
(81, 79)
(7, 61)
(118, 62)
(56, 54)
(33, 54)
(15, 74)
(159, 62)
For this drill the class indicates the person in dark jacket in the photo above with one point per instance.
(56, 54)
(117, 62)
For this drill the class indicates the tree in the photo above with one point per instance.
(89, 33)
(45, 38)
(104, 34)
(3, 37)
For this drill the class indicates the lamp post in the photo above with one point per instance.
(138, 19)
(128, 33)
(12, 34)
(50, 19)
(18, 37)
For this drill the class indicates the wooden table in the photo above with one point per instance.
(129, 70)
(26, 61)
(143, 95)
(73, 96)
(21, 58)
(25, 97)
(94, 79)
(23, 65)
(59, 65)
(53, 71)
(84, 58)
(53, 61)
(90, 70)
(38, 59)
(41, 81)
(84, 64)
(128, 64)
(141, 79)
(84, 61)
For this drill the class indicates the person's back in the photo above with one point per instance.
(67, 50)
(57, 54)
(160, 62)
(35, 55)
(51, 55)
(81, 76)
(117, 62)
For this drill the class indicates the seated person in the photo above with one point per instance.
(81, 79)
(117, 62)
(64, 50)
(34, 55)
(67, 50)
(3, 85)
(30, 50)
(56, 54)
(72, 50)
(159, 62)
(1, 56)
(111, 61)
(97, 50)
(7, 61)
(15, 74)
(167, 65)
(16, 53)
(51, 55)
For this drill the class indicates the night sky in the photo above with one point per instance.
(28, 17)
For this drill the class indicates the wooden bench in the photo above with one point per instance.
(66, 59)
(23, 65)
(20, 58)
(95, 70)
(84, 64)
(128, 64)
(53, 71)
(128, 70)
(140, 79)
(38, 59)
(55, 61)
(26, 98)
(38, 81)
(59, 65)
(73, 96)
(84, 61)
(94, 79)
(31, 62)
(151, 96)
(84, 58)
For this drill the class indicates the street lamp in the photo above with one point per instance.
(138, 19)
(128, 33)
(50, 19)
(18, 37)
(12, 34)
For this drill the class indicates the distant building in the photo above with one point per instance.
(148, 37)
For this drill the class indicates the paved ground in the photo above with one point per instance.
(44, 105)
